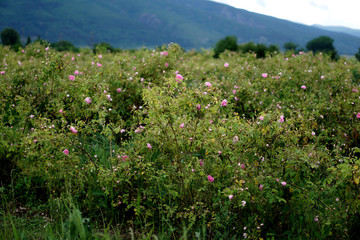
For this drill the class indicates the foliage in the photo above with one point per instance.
(10, 37)
(322, 44)
(103, 48)
(178, 144)
(290, 46)
(357, 55)
(28, 41)
(248, 47)
(228, 43)
(64, 46)
(261, 50)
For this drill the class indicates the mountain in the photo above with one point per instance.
(137, 23)
(351, 31)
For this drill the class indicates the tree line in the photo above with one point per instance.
(10, 37)
(322, 44)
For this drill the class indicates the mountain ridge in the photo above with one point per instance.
(190, 23)
(350, 31)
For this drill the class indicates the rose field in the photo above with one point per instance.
(174, 144)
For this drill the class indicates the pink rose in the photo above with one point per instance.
(179, 78)
(210, 178)
(73, 130)
(88, 100)
(281, 120)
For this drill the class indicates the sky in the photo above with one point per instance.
(324, 12)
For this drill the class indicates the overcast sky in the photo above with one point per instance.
(324, 12)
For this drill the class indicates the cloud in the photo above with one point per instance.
(261, 3)
(319, 5)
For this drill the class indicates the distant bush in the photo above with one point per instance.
(64, 46)
(323, 44)
(272, 48)
(103, 47)
(259, 49)
(28, 41)
(357, 55)
(228, 43)
(248, 47)
(11, 37)
(290, 46)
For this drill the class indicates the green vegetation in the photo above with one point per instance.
(228, 43)
(103, 48)
(62, 46)
(323, 44)
(10, 37)
(28, 41)
(357, 55)
(168, 144)
(290, 46)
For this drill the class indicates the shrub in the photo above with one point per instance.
(158, 140)
(103, 48)
(290, 46)
(248, 47)
(10, 37)
(322, 44)
(64, 46)
(259, 49)
(357, 55)
(228, 43)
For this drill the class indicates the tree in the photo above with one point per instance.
(103, 47)
(64, 46)
(272, 48)
(261, 50)
(10, 37)
(248, 47)
(228, 43)
(322, 44)
(357, 55)
(28, 41)
(290, 46)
